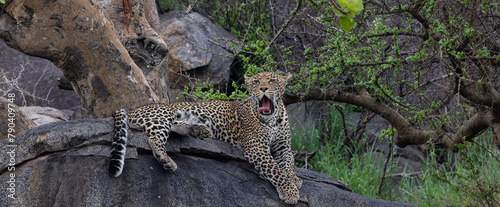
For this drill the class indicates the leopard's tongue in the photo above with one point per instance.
(266, 106)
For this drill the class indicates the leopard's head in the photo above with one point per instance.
(267, 88)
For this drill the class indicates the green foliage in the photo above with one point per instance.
(248, 20)
(168, 5)
(389, 60)
(395, 63)
(206, 92)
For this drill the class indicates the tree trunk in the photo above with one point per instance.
(78, 38)
(137, 22)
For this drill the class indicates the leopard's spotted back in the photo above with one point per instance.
(258, 124)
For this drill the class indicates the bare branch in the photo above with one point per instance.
(423, 36)
(222, 46)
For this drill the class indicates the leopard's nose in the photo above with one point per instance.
(264, 89)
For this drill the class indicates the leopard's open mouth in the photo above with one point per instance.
(266, 106)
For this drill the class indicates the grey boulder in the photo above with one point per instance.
(65, 164)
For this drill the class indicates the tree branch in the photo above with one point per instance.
(468, 130)
(407, 134)
(423, 36)
(475, 97)
(414, 12)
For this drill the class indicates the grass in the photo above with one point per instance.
(470, 177)
(360, 171)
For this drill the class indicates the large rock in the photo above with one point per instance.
(44, 115)
(65, 164)
(195, 52)
(33, 80)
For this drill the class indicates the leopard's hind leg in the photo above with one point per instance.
(158, 133)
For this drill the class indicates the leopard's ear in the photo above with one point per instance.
(247, 76)
(286, 77)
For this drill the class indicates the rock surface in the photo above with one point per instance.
(192, 52)
(65, 164)
(33, 80)
(44, 115)
(12, 121)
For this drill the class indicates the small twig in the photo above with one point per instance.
(365, 123)
(361, 130)
(338, 8)
(191, 6)
(486, 149)
(307, 156)
(222, 46)
(414, 34)
(339, 108)
(33, 95)
(389, 157)
(315, 20)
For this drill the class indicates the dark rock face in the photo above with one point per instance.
(65, 164)
(33, 80)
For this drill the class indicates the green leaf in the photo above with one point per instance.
(346, 23)
(335, 11)
(2, 1)
(351, 7)
(343, 3)
(358, 6)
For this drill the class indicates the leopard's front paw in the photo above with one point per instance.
(289, 194)
(167, 163)
(296, 180)
(201, 131)
(170, 167)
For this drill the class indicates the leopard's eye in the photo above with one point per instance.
(256, 81)
(272, 80)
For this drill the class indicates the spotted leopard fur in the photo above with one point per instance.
(258, 125)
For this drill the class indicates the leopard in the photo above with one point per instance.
(258, 125)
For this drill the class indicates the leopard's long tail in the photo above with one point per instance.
(119, 146)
